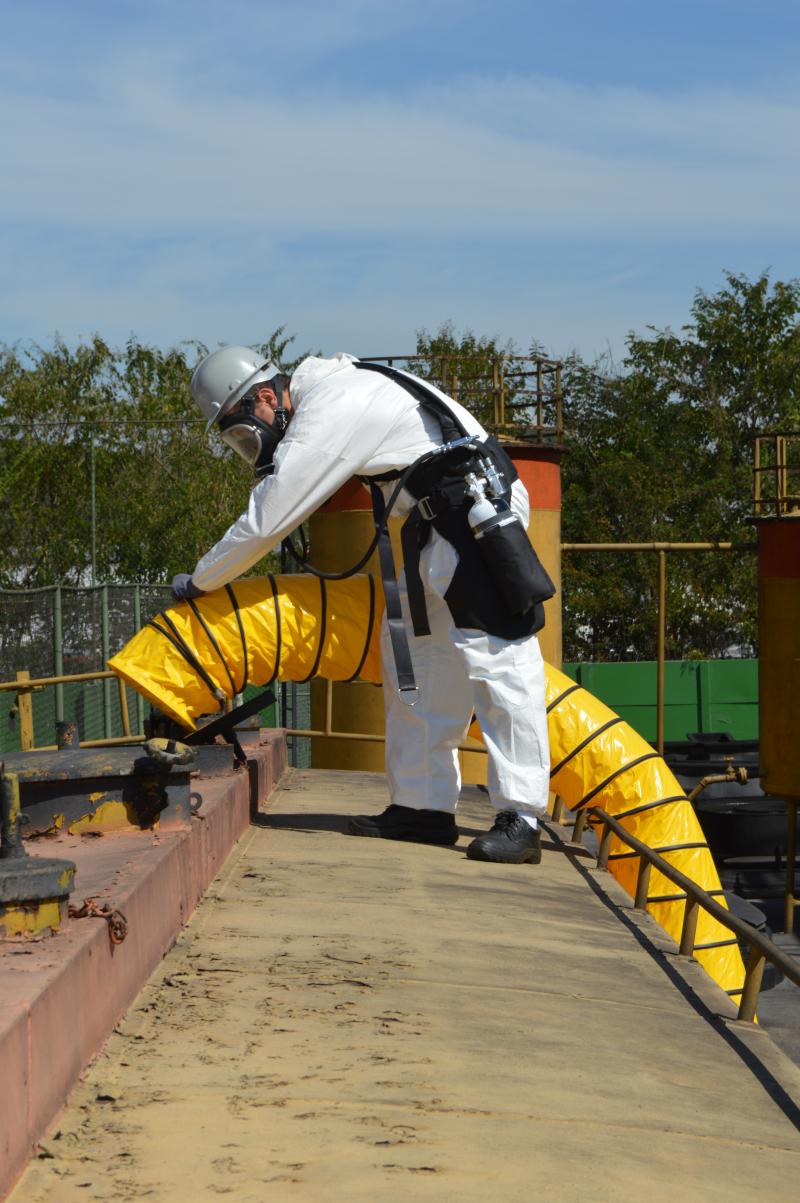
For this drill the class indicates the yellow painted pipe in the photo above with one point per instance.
(195, 655)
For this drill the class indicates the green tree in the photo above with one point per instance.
(123, 419)
(661, 450)
(476, 368)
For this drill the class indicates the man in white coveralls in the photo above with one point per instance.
(307, 435)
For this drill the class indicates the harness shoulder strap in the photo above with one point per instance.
(415, 529)
(401, 652)
(451, 426)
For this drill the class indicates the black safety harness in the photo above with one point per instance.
(438, 485)
(437, 482)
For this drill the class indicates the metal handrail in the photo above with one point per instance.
(327, 730)
(24, 685)
(762, 949)
(63, 679)
(781, 470)
(500, 371)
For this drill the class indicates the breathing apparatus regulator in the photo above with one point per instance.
(503, 541)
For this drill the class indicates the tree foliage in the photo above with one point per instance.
(119, 425)
(660, 449)
(469, 367)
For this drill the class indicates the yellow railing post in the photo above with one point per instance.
(123, 707)
(25, 712)
(661, 641)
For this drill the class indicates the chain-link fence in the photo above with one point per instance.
(67, 629)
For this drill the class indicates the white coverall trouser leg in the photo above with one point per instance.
(458, 672)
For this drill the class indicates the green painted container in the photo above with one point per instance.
(699, 695)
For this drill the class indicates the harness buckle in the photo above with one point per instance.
(425, 508)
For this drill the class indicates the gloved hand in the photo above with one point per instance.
(183, 587)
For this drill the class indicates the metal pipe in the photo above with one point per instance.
(642, 884)
(539, 399)
(27, 737)
(11, 846)
(137, 626)
(106, 645)
(791, 851)
(603, 850)
(314, 733)
(689, 930)
(123, 707)
(58, 650)
(752, 985)
(662, 644)
(329, 705)
(579, 826)
(93, 508)
(41, 682)
(781, 461)
(738, 775)
(719, 546)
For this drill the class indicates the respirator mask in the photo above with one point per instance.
(252, 438)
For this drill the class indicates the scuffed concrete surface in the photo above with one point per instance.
(351, 1019)
(61, 995)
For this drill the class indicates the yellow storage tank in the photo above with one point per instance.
(342, 529)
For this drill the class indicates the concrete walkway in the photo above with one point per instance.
(352, 1019)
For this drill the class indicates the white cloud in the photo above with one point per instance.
(168, 185)
(486, 157)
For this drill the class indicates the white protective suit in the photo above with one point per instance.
(354, 423)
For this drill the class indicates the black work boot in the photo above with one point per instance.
(511, 841)
(405, 823)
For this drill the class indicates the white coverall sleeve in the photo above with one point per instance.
(520, 502)
(343, 419)
(304, 479)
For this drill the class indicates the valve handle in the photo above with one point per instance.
(169, 751)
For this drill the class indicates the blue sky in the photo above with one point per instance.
(360, 169)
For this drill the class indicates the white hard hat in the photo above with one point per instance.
(225, 376)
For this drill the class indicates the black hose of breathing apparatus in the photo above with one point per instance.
(301, 557)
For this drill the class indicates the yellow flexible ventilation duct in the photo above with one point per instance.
(190, 658)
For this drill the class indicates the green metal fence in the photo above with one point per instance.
(70, 629)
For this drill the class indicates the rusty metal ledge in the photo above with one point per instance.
(60, 996)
